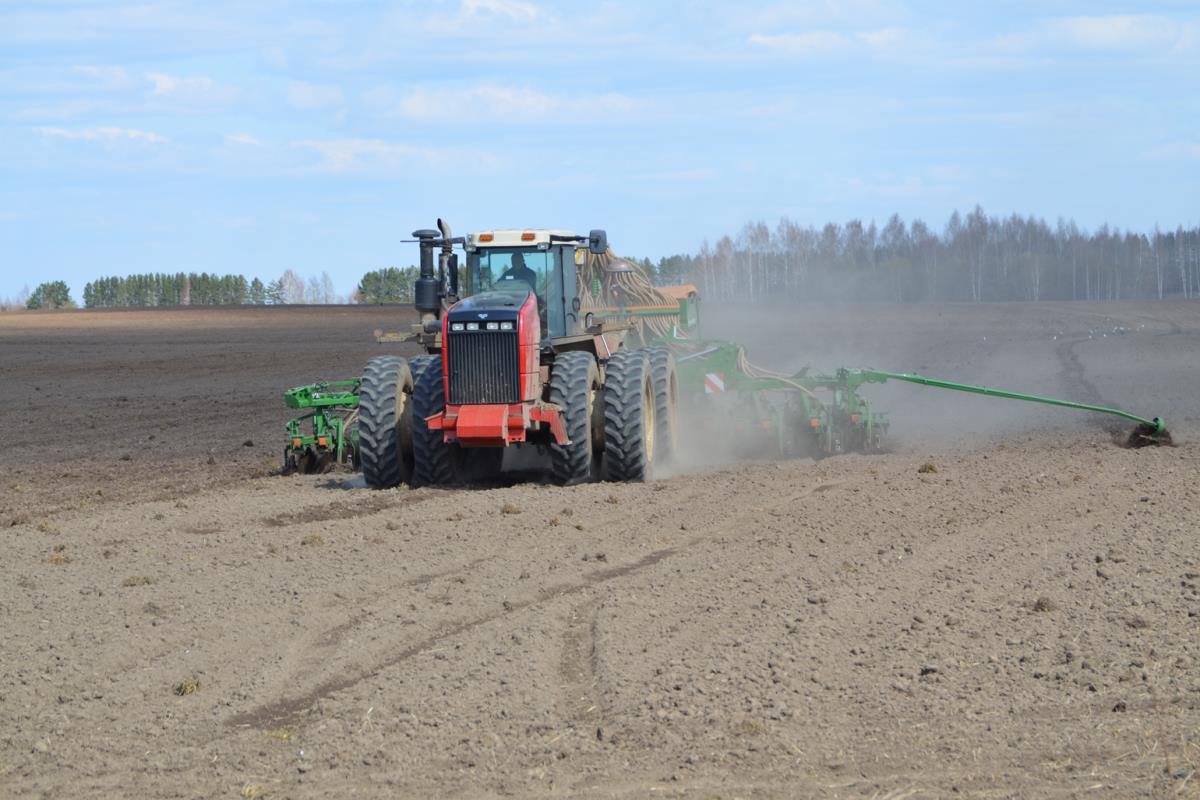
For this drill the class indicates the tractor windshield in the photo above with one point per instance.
(520, 270)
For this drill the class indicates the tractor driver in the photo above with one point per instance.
(519, 272)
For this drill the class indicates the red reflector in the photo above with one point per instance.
(322, 441)
(297, 442)
(526, 237)
(854, 417)
(816, 423)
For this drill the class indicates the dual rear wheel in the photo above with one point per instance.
(623, 430)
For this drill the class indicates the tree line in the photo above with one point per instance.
(202, 289)
(150, 290)
(974, 258)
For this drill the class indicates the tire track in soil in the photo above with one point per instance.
(287, 711)
(1081, 390)
(333, 635)
(1073, 374)
(341, 510)
(579, 667)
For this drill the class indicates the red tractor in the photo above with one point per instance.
(514, 361)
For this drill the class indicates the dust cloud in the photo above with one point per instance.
(1024, 348)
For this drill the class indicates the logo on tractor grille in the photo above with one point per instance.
(483, 316)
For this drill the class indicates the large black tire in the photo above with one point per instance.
(666, 404)
(574, 382)
(385, 422)
(436, 463)
(432, 460)
(628, 417)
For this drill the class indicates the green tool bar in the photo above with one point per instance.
(325, 394)
(1156, 424)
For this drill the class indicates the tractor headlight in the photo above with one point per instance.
(506, 326)
(493, 326)
(472, 326)
(456, 326)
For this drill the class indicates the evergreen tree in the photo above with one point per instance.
(55, 294)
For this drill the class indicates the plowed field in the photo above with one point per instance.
(1005, 604)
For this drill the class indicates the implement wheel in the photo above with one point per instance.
(629, 427)
(385, 422)
(574, 383)
(666, 404)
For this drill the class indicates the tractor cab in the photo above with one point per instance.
(520, 262)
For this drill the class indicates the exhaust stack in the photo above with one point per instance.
(426, 293)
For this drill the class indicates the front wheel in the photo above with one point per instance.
(437, 462)
(385, 422)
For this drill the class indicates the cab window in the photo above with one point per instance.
(519, 270)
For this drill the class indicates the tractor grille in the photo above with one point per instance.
(484, 367)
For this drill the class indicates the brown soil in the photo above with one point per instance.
(1021, 620)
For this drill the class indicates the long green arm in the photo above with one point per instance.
(875, 376)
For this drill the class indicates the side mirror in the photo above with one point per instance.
(598, 242)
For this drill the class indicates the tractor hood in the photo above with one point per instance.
(488, 306)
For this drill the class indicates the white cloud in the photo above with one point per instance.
(242, 139)
(309, 96)
(1177, 150)
(108, 77)
(824, 42)
(1118, 32)
(695, 175)
(514, 104)
(377, 156)
(513, 9)
(1113, 33)
(821, 12)
(884, 38)
(808, 43)
(103, 134)
(276, 56)
(198, 89)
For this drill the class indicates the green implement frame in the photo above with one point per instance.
(333, 436)
(824, 414)
(804, 413)
(1155, 427)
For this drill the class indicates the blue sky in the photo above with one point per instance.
(258, 137)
